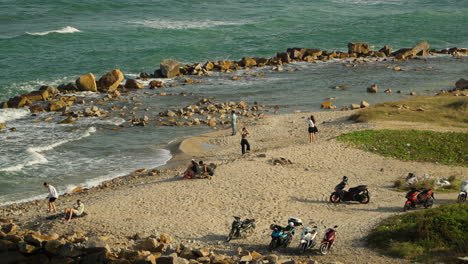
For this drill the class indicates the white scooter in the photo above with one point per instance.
(463, 192)
(307, 238)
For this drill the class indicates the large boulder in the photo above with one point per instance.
(373, 88)
(248, 62)
(86, 82)
(296, 53)
(133, 84)
(420, 49)
(387, 50)
(283, 57)
(110, 81)
(461, 84)
(18, 102)
(56, 105)
(358, 48)
(39, 239)
(169, 68)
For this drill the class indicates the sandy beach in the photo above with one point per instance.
(199, 212)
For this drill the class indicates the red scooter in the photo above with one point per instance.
(416, 197)
(328, 240)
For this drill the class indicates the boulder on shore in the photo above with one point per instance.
(86, 82)
(461, 84)
(420, 49)
(18, 102)
(169, 68)
(386, 49)
(110, 81)
(133, 84)
(358, 48)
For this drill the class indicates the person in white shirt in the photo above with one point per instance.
(312, 128)
(53, 195)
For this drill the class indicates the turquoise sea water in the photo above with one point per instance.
(53, 42)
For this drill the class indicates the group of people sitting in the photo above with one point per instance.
(199, 170)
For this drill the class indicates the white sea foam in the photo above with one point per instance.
(164, 156)
(36, 156)
(10, 114)
(64, 30)
(186, 24)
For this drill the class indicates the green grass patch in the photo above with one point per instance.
(443, 110)
(439, 234)
(450, 148)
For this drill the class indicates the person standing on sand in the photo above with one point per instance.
(52, 197)
(233, 122)
(244, 141)
(312, 128)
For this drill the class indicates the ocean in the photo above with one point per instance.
(54, 42)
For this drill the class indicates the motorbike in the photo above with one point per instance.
(416, 197)
(358, 193)
(280, 237)
(328, 240)
(307, 238)
(463, 192)
(241, 228)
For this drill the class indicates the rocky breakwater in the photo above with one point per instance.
(209, 113)
(170, 68)
(29, 246)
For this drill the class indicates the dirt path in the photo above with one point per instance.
(199, 212)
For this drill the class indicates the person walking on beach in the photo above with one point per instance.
(52, 197)
(233, 122)
(244, 141)
(312, 128)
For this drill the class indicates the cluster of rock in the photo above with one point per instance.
(27, 246)
(170, 68)
(209, 113)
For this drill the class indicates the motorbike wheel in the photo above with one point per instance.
(461, 198)
(231, 234)
(335, 198)
(272, 245)
(366, 198)
(428, 203)
(302, 248)
(406, 207)
(323, 249)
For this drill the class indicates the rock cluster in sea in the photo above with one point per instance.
(49, 98)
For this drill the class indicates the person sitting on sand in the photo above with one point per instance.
(191, 171)
(205, 170)
(75, 211)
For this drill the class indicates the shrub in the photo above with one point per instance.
(426, 235)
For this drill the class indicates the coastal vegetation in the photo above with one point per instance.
(445, 110)
(432, 235)
(448, 148)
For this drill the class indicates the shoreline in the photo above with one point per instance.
(197, 213)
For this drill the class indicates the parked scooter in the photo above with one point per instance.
(328, 240)
(358, 193)
(415, 197)
(463, 192)
(307, 238)
(282, 236)
(241, 228)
